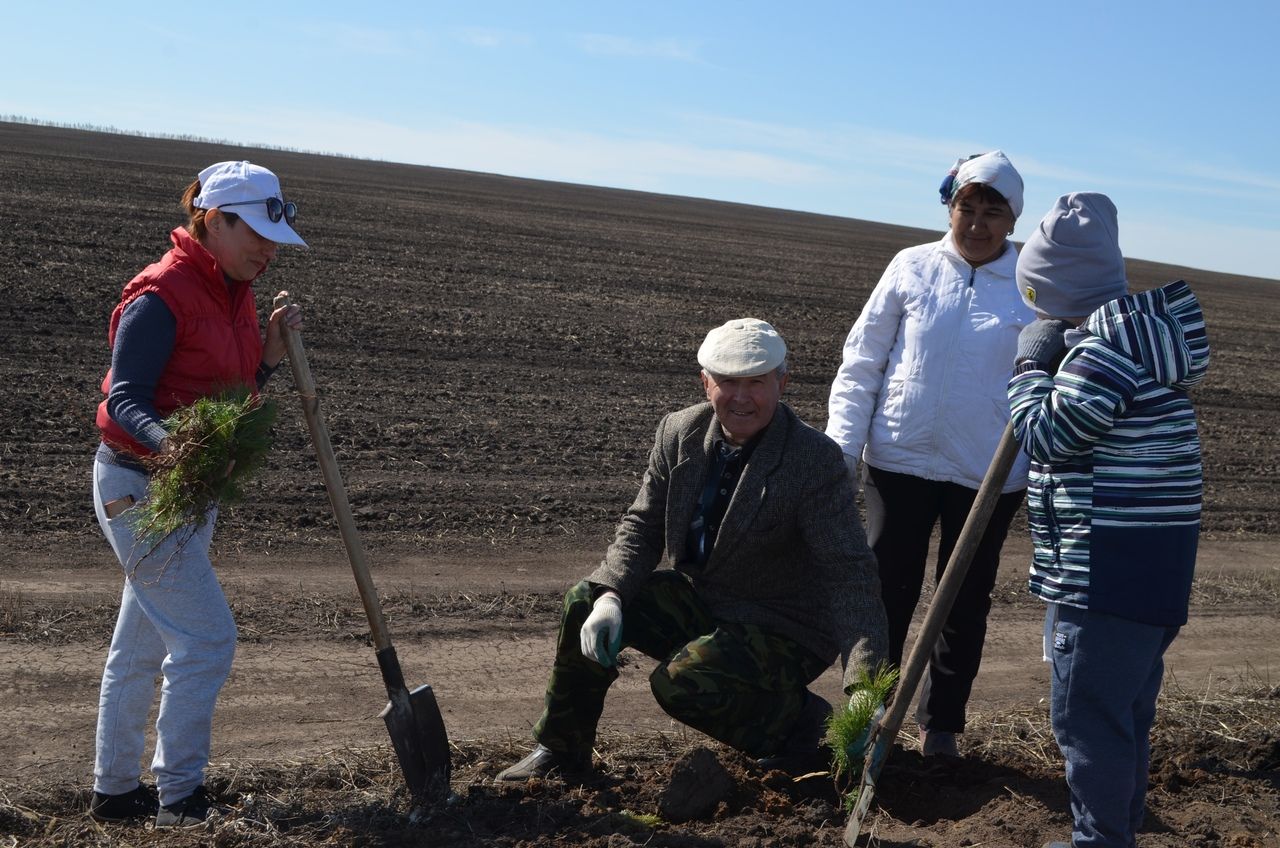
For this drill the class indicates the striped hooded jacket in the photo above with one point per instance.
(1115, 483)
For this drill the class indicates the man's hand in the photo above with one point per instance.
(1043, 341)
(601, 636)
(864, 700)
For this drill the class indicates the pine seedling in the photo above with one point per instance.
(214, 446)
(847, 725)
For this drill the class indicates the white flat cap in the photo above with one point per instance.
(743, 347)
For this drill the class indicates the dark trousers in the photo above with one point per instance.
(901, 513)
(742, 685)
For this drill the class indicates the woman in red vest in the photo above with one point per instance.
(186, 327)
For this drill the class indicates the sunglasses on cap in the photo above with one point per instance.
(276, 208)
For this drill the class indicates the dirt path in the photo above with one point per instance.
(311, 687)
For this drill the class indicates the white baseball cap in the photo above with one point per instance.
(255, 193)
(743, 347)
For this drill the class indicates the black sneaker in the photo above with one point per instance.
(141, 803)
(191, 811)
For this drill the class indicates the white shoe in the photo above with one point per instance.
(940, 743)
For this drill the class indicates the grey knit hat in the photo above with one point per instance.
(1072, 264)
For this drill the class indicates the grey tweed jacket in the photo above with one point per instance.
(791, 554)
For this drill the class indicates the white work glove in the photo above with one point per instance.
(851, 464)
(601, 636)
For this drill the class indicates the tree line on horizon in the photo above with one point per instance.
(112, 130)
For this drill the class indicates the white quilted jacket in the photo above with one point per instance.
(922, 389)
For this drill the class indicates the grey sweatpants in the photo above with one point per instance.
(174, 622)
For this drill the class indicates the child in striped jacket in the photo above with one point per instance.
(1099, 403)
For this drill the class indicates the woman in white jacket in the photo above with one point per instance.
(921, 400)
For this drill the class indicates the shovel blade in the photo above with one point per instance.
(867, 787)
(853, 828)
(421, 744)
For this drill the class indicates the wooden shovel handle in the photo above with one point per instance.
(952, 578)
(333, 480)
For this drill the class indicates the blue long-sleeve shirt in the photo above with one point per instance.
(144, 343)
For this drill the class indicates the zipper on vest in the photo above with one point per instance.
(973, 272)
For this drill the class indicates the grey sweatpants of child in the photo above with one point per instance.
(174, 622)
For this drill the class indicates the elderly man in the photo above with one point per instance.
(771, 578)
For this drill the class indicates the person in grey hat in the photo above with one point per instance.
(1099, 403)
(185, 328)
(919, 401)
(768, 577)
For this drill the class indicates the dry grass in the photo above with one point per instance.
(1259, 590)
(263, 617)
(11, 610)
(354, 797)
(56, 622)
(1236, 590)
(342, 617)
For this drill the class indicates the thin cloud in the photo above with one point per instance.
(865, 149)
(671, 49)
(843, 144)
(601, 159)
(1197, 181)
(580, 157)
(366, 41)
(491, 38)
(1251, 180)
(1157, 172)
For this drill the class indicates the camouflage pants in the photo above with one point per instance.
(737, 683)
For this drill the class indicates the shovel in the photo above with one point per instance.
(413, 718)
(948, 587)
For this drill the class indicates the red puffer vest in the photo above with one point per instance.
(218, 344)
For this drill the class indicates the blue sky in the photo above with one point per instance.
(851, 108)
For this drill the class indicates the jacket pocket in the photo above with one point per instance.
(1047, 490)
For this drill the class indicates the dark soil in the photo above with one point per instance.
(492, 356)
(1214, 792)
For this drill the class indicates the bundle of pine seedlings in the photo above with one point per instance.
(848, 725)
(214, 445)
